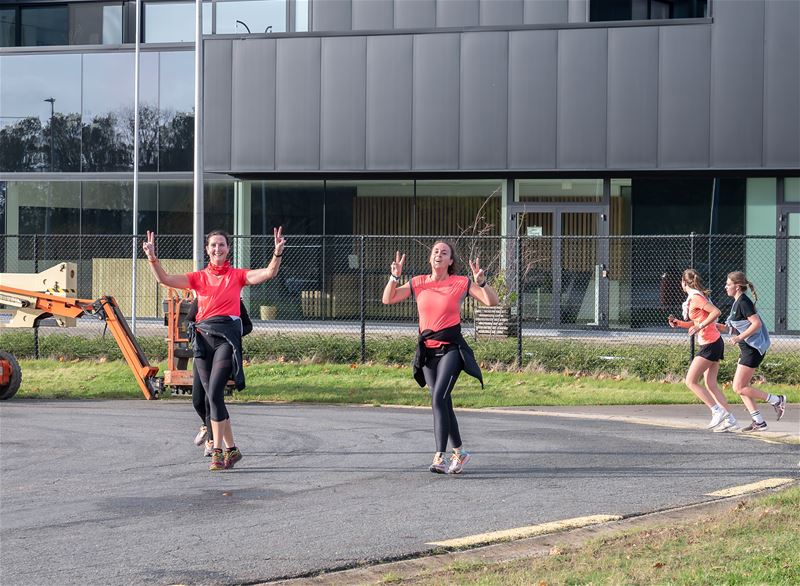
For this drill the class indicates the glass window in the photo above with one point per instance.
(791, 189)
(173, 22)
(107, 207)
(251, 16)
(458, 208)
(44, 25)
(8, 27)
(40, 105)
(560, 190)
(301, 16)
(218, 206)
(95, 23)
(175, 205)
(295, 205)
(107, 112)
(43, 207)
(605, 10)
(176, 111)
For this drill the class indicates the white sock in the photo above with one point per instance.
(757, 417)
(731, 419)
(716, 409)
(773, 399)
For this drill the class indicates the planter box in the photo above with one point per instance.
(498, 321)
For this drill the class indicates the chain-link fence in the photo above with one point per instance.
(610, 292)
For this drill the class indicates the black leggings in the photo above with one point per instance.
(441, 370)
(200, 403)
(213, 371)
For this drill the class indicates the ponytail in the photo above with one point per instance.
(738, 279)
(692, 278)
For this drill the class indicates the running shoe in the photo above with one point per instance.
(780, 406)
(717, 418)
(201, 436)
(458, 461)
(755, 427)
(727, 424)
(209, 449)
(438, 466)
(231, 457)
(217, 461)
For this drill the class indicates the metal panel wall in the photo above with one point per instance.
(632, 97)
(297, 79)
(414, 14)
(684, 96)
(373, 15)
(532, 100)
(436, 101)
(253, 106)
(546, 11)
(217, 106)
(331, 15)
(501, 12)
(344, 84)
(484, 100)
(582, 93)
(782, 90)
(389, 97)
(737, 89)
(457, 13)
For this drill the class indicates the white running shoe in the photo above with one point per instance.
(717, 418)
(727, 424)
(201, 436)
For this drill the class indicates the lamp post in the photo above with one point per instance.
(52, 113)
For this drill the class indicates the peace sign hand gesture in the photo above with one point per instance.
(149, 246)
(478, 274)
(397, 265)
(280, 241)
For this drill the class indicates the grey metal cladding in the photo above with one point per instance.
(501, 12)
(781, 89)
(436, 101)
(545, 11)
(217, 105)
(484, 100)
(342, 125)
(297, 79)
(632, 97)
(582, 76)
(684, 96)
(253, 107)
(414, 14)
(331, 15)
(737, 89)
(461, 13)
(389, 98)
(373, 15)
(533, 105)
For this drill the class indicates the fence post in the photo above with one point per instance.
(519, 300)
(691, 264)
(35, 270)
(362, 303)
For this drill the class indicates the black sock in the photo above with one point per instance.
(230, 449)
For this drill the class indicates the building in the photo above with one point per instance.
(415, 117)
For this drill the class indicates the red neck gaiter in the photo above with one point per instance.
(219, 271)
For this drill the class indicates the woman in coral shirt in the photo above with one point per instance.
(442, 352)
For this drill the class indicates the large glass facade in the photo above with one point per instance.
(606, 10)
(173, 22)
(176, 111)
(44, 25)
(251, 16)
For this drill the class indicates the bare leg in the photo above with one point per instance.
(699, 366)
(741, 384)
(711, 384)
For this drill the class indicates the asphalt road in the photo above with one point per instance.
(114, 492)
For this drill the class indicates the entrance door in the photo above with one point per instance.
(564, 253)
(788, 270)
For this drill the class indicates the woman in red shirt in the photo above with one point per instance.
(442, 352)
(702, 318)
(218, 329)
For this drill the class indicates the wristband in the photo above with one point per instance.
(152, 260)
(394, 278)
(277, 255)
(481, 284)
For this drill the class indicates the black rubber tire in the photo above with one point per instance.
(9, 390)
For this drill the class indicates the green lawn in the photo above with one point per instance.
(367, 384)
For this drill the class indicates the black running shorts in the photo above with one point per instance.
(714, 351)
(749, 356)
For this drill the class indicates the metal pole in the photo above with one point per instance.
(35, 325)
(362, 304)
(691, 263)
(136, 54)
(197, 224)
(519, 301)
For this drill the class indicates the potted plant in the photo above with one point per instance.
(500, 320)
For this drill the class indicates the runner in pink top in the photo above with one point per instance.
(442, 352)
(218, 330)
(703, 318)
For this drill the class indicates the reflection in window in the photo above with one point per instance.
(107, 207)
(8, 27)
(218, 206)
(251, 16)
(454, 208)
(295, 205)
(605, 10)
(560, 190)
(43, 207)
(44, 25)
(40, 121)
(95, 24)
(173, 22)
(176, 111)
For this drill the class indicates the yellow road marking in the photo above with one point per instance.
(752, 487)
(523, 532)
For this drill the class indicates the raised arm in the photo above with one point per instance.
(258, 276)
(392, 293)
(174, 281)
(479, 288)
